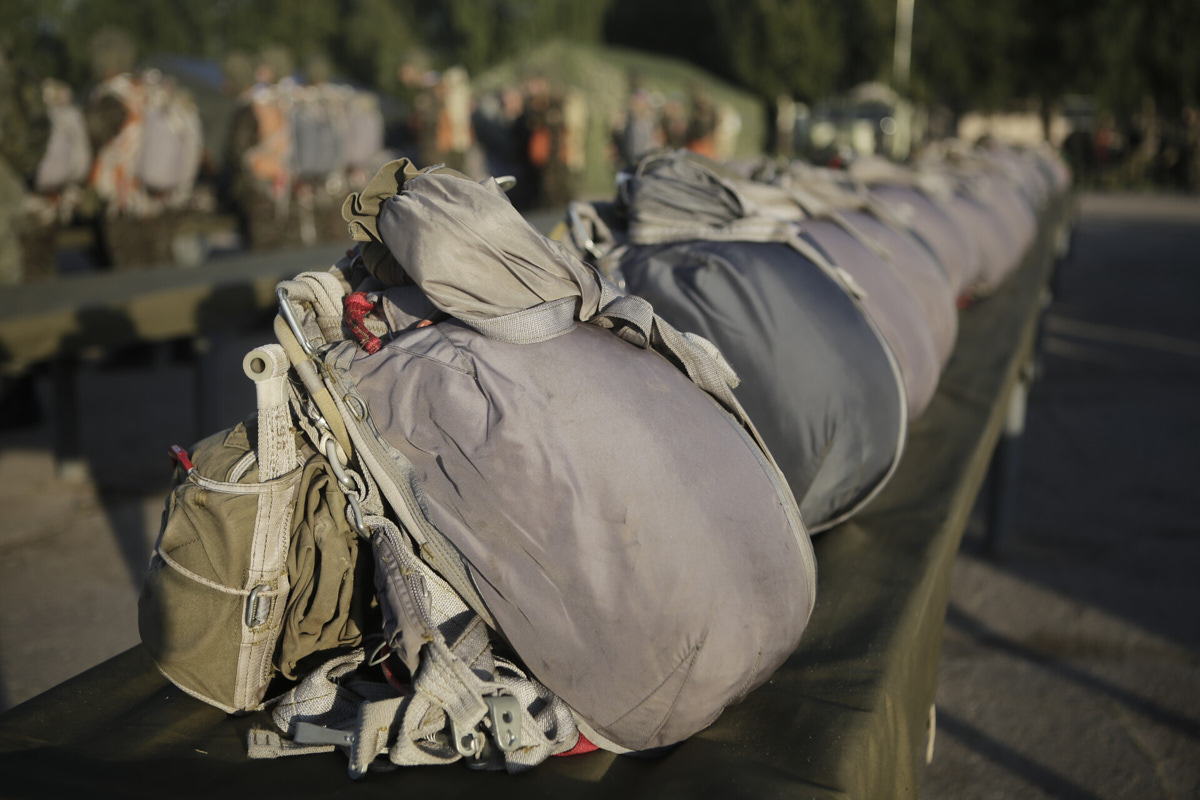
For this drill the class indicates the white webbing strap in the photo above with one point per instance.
(762, 229)
(328, 699)
(267, 366)
(324, 292)
(459, 692)
(457, 682)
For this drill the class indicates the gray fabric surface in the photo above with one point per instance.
(892, 305)
(921, 273)
(789, 332)
(473, 254)
(946, 238)
(620, 527)
(685, 192)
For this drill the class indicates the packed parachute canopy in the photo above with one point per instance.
(834, 294)
(526, 429)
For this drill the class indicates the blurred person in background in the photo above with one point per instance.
(1191, 145)
(638, 132)
(494, 121)
(58, 185)
(147, 138)
(674, 123)
(24, 135)
(536, 137)
(702, 124)
(258, 150)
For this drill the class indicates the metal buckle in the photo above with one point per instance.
(469, 744)
(308, 733)
(504, 714)
(501, 726)
(339, 470)
(346, 483)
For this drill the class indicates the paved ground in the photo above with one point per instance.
(1071, 666)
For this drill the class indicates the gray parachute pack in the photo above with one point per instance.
(576, 531)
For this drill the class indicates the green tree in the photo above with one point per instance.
(965, 53)
(778, 47)
(1148, 50)
(868, 32)
(377, 37)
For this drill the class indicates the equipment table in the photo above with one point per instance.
(847, 716)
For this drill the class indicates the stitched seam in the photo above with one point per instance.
(675, 702)
(695, 651)
(393, 346)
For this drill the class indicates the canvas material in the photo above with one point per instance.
(229, 539)
(956, 251)
(572, 579)
(788, 331)
(223, 538)
(691, 682)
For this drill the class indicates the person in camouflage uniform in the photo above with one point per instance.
(130, 234)
(24, 132)
(258, 150)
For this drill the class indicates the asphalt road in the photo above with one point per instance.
(1071, 665)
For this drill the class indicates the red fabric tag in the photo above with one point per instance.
(581, 747)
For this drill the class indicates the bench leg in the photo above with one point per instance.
(206, 393)
(1006, 467)
(68, 454)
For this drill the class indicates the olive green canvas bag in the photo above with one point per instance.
(254, 569)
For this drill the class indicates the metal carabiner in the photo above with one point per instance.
(339, 470)
(358, 523)
(348, 487)
(289, 316)
(579, 233)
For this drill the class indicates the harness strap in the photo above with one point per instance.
(464, 703)
(529, 326)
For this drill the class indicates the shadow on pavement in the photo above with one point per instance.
(1010, 760)
(982, 635)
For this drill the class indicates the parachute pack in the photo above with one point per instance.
(153, 160)
(577, 536)
(68, 155)
(834, 294)
(173, 139)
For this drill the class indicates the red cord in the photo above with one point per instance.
(357, 307)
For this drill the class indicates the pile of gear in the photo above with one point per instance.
(296, 149)
(506, 497)
(795, 272)
(129, 166)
